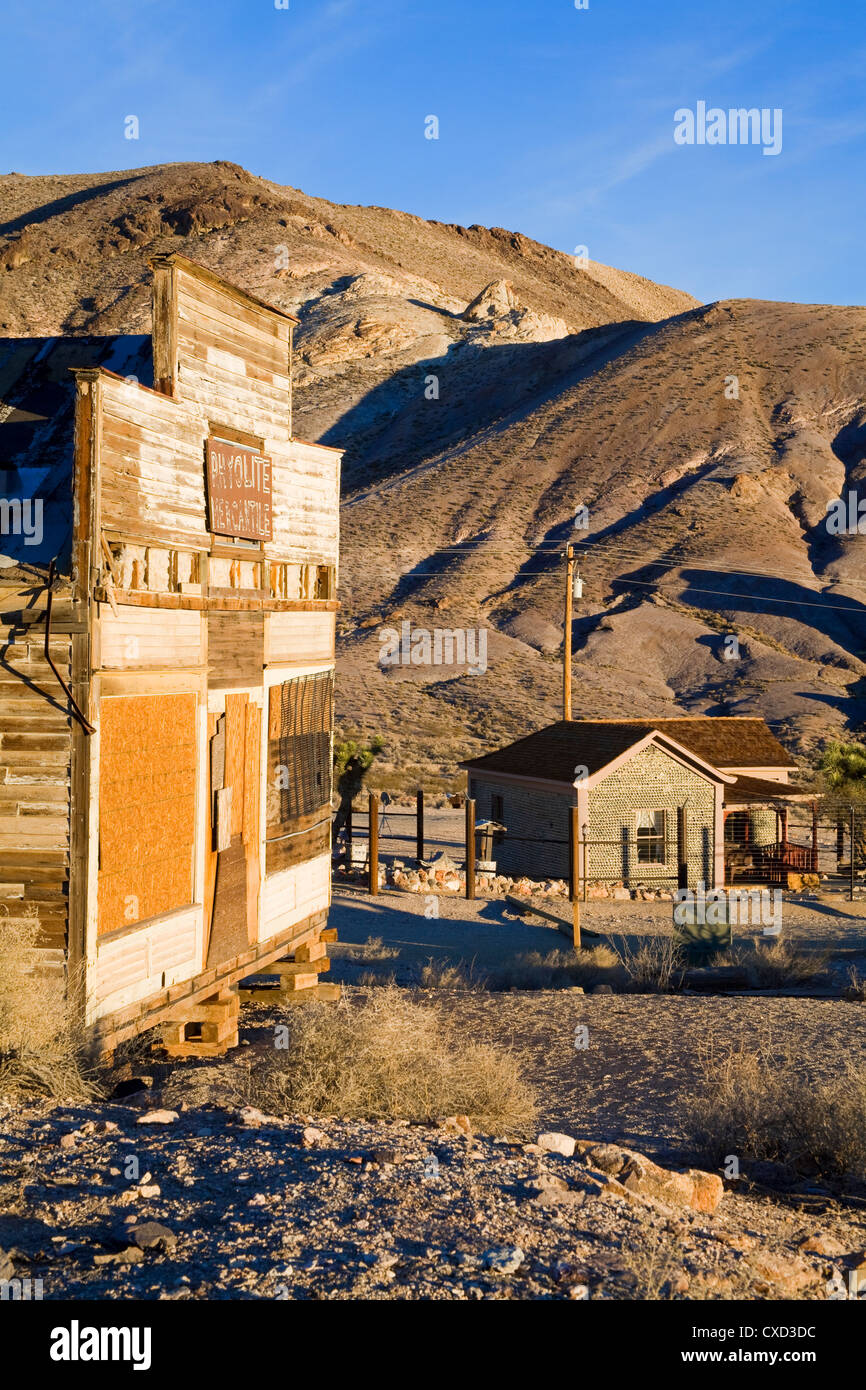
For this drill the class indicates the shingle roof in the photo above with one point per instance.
(746, 789)
(552, 754)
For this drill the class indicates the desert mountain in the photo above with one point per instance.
(496, 400)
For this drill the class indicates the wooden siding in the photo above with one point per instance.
(133, 964)
(300, 637)
(35, 755)
(151, 464)
(293, 894)
(232, 359)
(138, 638)
(236, 649)
(306, 502)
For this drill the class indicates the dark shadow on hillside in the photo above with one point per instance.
(64, 204)
(481, 389)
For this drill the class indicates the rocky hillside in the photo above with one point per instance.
(490, 392)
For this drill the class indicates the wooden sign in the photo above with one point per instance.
(238, 491)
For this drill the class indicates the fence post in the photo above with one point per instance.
(419, 824)
(814, 854)
(470, 848)
(851, 884)
(349, 837)
(574, 874)
(373, 851)
(682, 847)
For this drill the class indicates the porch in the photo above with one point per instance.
(771, 830)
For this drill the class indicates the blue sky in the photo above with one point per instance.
(553, 121)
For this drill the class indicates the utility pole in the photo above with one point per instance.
(566, 651)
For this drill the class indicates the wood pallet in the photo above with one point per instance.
(296, 978)
(207, 1029)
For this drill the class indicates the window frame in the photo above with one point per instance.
(653, 839)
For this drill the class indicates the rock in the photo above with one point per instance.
(252, 1118)
(503, 1259)
(7, 1268)
(789, 1273)
(548, 1190)
(132, 1255)
(312, 1138)
(383, 1157)
(458, 1124)
(152, 1235)
(608, 1157)
(820, 1243)
(555, 1143)
(68, 1141)
(601, 989)
(148, 1189)
(694, 1188)
(620, 895)
(157, 1117)
(736, 1240)
(495, 299)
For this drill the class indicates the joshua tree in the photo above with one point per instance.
(351, 765)
(844, 769)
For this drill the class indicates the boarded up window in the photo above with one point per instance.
(147, 798)
(300, 718)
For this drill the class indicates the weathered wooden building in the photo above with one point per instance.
(638, 785)
(166, 702)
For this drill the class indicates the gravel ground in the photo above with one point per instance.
(243, 1210)
(253, 1210)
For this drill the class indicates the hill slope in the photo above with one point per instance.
(486, 387)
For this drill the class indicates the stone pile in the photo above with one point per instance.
(444, 875)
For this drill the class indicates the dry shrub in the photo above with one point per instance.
(656, 966)
(369, 979)
(855, 990)
(778, 965)
(449, 974)
(373, 949)
(655, 1262)
(750, 1105)
(388, 1057)
(559, 970)
(41, 1048)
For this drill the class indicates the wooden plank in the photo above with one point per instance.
(236, 646)
(235, 749)
(164, 330)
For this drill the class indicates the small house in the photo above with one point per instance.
(168, 573)
(650, 795)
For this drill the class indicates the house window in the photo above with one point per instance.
(299, 770)
(650, 837)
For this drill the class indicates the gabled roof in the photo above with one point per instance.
(552, 754)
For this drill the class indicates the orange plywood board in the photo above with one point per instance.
(147, 804)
